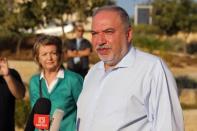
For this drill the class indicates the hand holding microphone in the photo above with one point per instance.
(56, 120)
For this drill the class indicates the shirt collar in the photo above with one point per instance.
(79, 39)
(126, 61)
(60, 74)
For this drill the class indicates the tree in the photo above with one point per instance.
(57, 9)
(87, 7)
(35, 13)
(31, 14)
(4, 14)
(17, 18)
(164, 16)
(172, 16)
(187, 16)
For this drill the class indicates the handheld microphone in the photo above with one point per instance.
(41, 115)
(56, 120)
(41, 107)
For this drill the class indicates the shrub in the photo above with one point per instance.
(192, 47)
(151, 42)
(7, 42)
(155, 42)
(186, 82)
(21, 112)
(146, 29)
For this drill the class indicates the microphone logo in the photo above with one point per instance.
(41, 121)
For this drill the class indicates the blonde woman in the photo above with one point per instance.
(60, 86)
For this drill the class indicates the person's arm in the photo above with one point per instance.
(16, 87)
(164, 105)
(71, 53)
(85, 52)
(78, 53)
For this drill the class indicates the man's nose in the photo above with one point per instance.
(101, 39)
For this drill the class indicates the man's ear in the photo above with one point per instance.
(129, 34)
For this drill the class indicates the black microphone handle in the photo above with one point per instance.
(30, 125)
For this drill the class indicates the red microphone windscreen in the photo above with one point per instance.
(41, 121)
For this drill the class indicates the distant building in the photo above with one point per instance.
(143, 14)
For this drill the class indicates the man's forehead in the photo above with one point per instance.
(106, 23)
(106, 13)
(104, 19)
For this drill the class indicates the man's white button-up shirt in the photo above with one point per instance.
(138, 94)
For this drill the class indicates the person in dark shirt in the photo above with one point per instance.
(78, 51)
(11, 87)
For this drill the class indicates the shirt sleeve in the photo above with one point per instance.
(16, 75)
(86, 44)
(164, 106)
(33, 91)
(70, 44)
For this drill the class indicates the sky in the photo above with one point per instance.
(129, 5)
